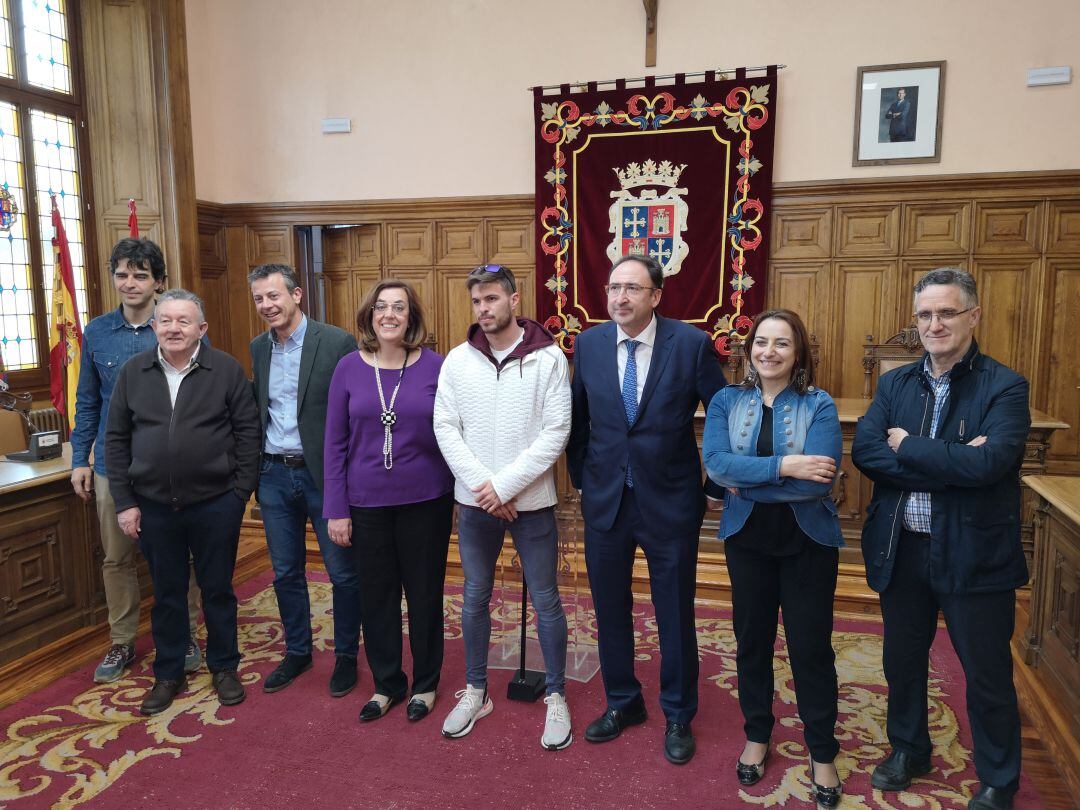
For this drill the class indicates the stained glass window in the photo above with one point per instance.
(18, 342)
(48, 57)
(55, 173)
(7, 52)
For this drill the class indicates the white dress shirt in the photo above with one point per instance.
(175, 376)
(642, 354)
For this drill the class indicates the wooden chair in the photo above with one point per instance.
(735, 367)
(902, 348)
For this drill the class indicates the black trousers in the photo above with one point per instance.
(208, 533)
(802, 585)
(396, 548)
(609, 557)
(980, 627)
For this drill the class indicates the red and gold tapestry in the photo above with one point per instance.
(681, 172)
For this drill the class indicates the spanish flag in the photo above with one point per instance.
(65, 333)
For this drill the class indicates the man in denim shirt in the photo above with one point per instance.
(138, 273)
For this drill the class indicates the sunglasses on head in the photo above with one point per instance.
(489, 268)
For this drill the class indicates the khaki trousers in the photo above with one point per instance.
(118, 572)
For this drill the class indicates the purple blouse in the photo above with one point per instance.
(353, 464)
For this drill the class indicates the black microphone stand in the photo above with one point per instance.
(527, 685)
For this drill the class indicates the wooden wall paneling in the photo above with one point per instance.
(867, 230)
(362, 279)
(803, 287)
(1008, 227)
(365, 246)
(864, 298)
(1064, 227)
(453, 310)
(423, 281)
(937, 228)
(511, 242)
(236, 338)
(212, 245)
(335, 248)
(1059, 368)
(1008, 291)
(911, 270)
(338, 290)
(270, 243)
(801, 233)
(460, 242)
(409, 244)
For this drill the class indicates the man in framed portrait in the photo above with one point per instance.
(901, 117)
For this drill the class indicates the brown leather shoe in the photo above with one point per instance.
(161, 694)
(229, 689)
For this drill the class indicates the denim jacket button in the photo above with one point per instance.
(791, 444)
(787, 420)
(740, 447)
(787, 407)
(753, 402)
(744, 433)
(746, 423)
(788, 431)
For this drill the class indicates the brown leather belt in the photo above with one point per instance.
(286, 460)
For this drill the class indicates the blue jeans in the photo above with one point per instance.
(480, 539)
(288, 499)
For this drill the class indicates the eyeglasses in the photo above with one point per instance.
(382, 307)
(629, 289)
(943, 316)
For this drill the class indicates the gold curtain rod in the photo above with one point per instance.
(655, 78)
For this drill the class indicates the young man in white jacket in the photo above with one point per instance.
(502, 417)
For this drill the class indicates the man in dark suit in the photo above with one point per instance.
(633, 453)
(293, 362)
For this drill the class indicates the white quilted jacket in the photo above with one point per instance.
(505, 425)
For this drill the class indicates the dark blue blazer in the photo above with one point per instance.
(661, 445)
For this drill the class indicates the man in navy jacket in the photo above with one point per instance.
(633, 453)
(943, 441)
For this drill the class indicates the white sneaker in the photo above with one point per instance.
(473, 704)
(557, 733)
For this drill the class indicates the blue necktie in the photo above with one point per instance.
(629, 395)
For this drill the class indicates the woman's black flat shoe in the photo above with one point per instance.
(373, 710)
(751, 774)
(417, 710)
(826, 797)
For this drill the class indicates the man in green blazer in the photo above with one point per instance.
(293, 362)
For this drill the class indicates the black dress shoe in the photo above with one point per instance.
(228, 687)
(611, 723)
(992, 798)
(417, 709)
(161, 694)
(897, 771)
(751, 774)
(826, 797)
(679, 743)
(344, 678)
(373, 709)
(290, 667)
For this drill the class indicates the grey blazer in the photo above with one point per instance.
(324, 346)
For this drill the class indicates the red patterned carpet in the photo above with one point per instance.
(75, 743)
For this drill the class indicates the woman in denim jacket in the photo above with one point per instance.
(774, 442)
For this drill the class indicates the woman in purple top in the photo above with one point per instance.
(389, 494)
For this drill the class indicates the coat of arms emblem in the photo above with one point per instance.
(8, 209)
(652, 223)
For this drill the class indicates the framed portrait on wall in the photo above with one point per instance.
(898, 111)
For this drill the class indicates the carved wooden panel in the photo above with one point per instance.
(939, 228)
(510, 242)
(801, 233)
(1061, 371)
(459, 242)
(365, 246)
(911, 270)
(211, 245)
(36, 576)
(1064, 230)
(1064, 618)
(269, 243)
(214, 285)
(423, 281)
(409, 243)
(867, 230)
(337, 295)
(1007, 295)
(803, 287)
(865, 292)
(335, 248)
(1007, 227)
(453, 309)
